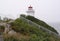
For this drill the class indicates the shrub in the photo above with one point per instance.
(42, 23)
(2, 28)
(10, 39)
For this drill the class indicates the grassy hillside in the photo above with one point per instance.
(27, 32)
(42, 23)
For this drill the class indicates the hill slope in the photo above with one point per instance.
(31, 33)
(42, 23)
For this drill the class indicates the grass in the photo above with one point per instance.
(27, 32)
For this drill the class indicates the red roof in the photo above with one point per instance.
(30, 7)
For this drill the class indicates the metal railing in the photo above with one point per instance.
(41, 27)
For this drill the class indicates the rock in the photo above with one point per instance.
(12, 32)
(6, 30)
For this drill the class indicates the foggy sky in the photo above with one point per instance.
(46, 10)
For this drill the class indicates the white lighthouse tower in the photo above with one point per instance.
(30, 11)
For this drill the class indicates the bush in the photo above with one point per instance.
(10, 39)
(2, 28)
(42, 23)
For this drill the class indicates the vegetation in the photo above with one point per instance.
(29, 32)
(2, 29)
(41, 23)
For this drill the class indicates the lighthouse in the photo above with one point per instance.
(30, 11)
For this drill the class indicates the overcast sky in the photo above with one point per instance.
(46, 10)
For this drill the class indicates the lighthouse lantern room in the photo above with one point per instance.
(30, 11)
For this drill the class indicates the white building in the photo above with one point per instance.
(30, 11)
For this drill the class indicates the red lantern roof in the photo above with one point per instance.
(30, 7)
